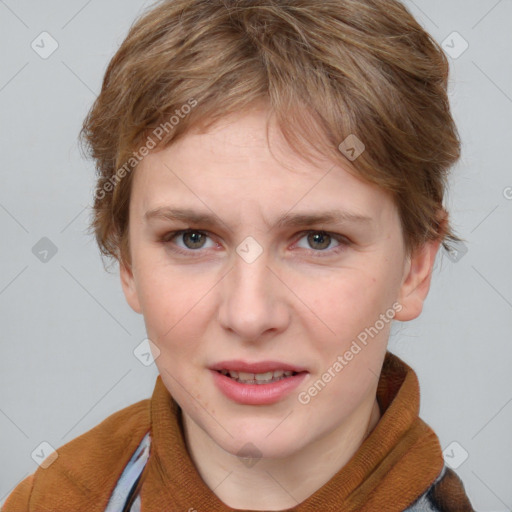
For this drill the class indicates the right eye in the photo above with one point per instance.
(193, 240)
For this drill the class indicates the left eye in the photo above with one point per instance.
(322, 240)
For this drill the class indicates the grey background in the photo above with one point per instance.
(68, 335)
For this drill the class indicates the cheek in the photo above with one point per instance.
(351, 308)
(351, 300)
(171, 306)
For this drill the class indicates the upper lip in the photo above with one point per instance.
(256, 367)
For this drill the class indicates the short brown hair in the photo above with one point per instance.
(353, 67)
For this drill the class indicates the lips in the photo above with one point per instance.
(257, 390)
(256, 367)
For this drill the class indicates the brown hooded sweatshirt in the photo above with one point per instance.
(398, 467)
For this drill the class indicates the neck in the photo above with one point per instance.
(278, 483)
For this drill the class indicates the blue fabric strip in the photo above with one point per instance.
(129, 477)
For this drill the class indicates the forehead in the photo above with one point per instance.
(233, 166)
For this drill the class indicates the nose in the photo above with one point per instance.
(253, 300)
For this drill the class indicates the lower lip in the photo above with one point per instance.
(257, 394)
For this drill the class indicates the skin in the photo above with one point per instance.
(210, 305)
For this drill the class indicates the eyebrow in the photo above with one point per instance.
(285, 220)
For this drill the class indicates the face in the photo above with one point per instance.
(237, 284)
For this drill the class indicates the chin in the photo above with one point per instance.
(259, 446)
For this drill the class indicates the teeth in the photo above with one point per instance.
(257, 378)
(263, 376)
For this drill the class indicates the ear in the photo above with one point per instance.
(416, 282)
(129, 288)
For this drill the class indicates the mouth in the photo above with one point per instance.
(258, 378)
(260, 383)
(257, 373)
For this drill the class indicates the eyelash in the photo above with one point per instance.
(342, 240)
